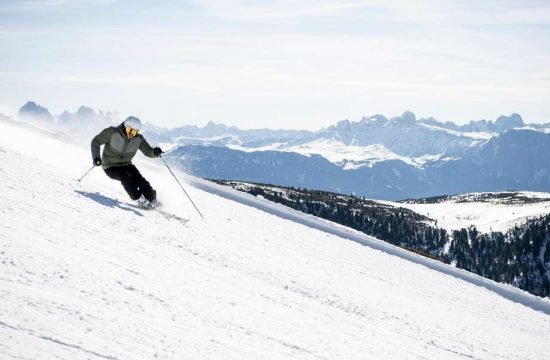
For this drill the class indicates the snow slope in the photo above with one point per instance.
(486, 216)
(85, 274)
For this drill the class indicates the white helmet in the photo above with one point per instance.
(132, 122)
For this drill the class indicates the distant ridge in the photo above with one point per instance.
(396, 158)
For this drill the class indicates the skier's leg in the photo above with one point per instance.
(126, 176)
(143, 185)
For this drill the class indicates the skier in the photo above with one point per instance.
(121, 144)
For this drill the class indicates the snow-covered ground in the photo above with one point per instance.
(348, 156)
(478, 135)
(85, 274)
(337, 152)
(486, 216)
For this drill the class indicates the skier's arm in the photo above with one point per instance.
(146, 149)
(100, 139)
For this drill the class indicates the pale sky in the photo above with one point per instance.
(280, 64)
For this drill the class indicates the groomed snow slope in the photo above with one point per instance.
(486, 216)
(87, 275)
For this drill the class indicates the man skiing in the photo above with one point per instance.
(121, 145)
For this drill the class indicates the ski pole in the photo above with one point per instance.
(172, 149)
(196, 208)
(87, 172)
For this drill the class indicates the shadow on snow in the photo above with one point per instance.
(109, 202)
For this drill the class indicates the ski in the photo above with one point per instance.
(115, 203)
(169, 216)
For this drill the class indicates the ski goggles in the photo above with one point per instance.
(131, 132)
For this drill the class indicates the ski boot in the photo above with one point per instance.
(144, 203)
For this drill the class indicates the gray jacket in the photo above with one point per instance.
(119, 150)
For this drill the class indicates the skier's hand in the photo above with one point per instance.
(157, 151)
(97, 161)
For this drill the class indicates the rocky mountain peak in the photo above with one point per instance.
(32, 110)
(85, 112)
(343, 124)
(509, 122)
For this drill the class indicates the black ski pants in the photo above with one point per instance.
(132, 181)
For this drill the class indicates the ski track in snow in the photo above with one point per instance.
(85, 275)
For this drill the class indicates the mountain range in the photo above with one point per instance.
(377, 157)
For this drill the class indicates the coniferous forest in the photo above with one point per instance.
(517, 257)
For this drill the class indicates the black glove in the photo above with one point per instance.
(97, 161)
(157, 151)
